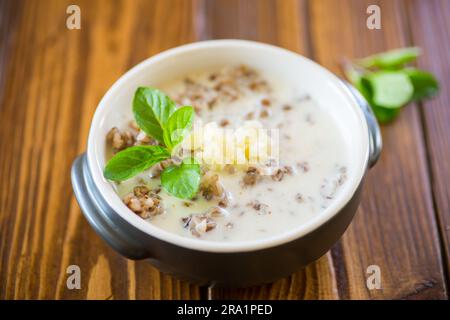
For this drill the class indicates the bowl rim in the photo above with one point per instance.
(214, 246)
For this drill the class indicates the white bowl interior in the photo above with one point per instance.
(324, 87)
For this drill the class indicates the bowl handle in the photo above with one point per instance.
(375, 141)
(109, 225)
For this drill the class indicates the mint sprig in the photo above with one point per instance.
(388, 84)
(178, 126)
(390, 89)
(131, 161)
(152, 108)
(424, 83)
(156, 114)
(391, 59)
(182, 181)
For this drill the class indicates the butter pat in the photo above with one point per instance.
(250, 144)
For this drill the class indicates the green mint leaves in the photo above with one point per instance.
(182, 181)
(151, 109)
(424, 83)
(390, 89)
(156, 114)
(133, 160)
(178, 126)
(388, 84)
(391, 59)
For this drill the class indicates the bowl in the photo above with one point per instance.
(240, 263)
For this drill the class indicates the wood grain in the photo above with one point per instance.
(52, 78)
(395, 227)
(430, 29)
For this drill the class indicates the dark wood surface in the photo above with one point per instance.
(52, 78)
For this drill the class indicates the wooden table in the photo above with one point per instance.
(52, 78)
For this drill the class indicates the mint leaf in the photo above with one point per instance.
(391, 59)
(385, 115)
(178, 126)
(353, 73)
(356, 77)
(424, 83)
(387, 84)
(152, 108)
(183, 181)
(131, 161)
(390, 89)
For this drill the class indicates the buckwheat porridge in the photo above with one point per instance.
(285, 161)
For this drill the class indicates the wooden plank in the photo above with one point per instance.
(430, 25)
(54, 80)
(317, 281)
(395, 227)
